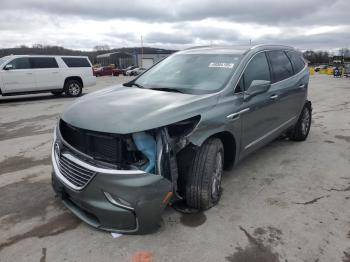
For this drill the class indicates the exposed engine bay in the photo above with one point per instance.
(153, 151)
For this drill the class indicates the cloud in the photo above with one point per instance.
(269, 12)
(175, 24)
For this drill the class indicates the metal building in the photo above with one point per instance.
(140, 57)
(119, 59)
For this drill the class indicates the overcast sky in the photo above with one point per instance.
(176, 24)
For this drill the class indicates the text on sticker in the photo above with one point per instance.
(221, 65)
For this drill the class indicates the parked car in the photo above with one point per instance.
(117, 72)
(170, 133)
(107, 71)
(319, 67)
(128, 69)
(24, 74)
(136, 71)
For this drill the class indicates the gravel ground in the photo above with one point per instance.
(287, 202)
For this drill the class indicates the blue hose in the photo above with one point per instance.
(147, 145)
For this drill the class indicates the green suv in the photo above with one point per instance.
(122, 154)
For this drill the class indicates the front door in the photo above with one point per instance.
(19, 76)
(259, 115)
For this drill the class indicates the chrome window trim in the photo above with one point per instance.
(245, 67)
(269, 133)
(267, 50)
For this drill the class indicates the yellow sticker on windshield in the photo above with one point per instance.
(221, 65)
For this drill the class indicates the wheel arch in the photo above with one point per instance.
(230, 147)
(308, 104)
(77, 78)
(229, 142)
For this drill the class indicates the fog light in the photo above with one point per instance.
(118, 201)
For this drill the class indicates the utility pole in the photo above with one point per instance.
(141, 52)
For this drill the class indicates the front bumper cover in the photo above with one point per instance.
(124, 203)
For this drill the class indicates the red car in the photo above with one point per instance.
(107, 71)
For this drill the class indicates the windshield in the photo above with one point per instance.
(191, 73)
(4, 59)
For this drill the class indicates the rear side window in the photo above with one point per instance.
(257, 69)
(43, 62)
(76, 62)
(20, 63)
(281, 66)
(297, 62)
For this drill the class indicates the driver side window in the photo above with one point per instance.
(257, 69)
(20, 63)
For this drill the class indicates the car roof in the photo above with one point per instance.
(235, 50)
(70, 56)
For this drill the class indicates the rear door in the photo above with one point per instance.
(47, 73)
(258, 112)
(301, 80)
(285, 87)
(20, 78)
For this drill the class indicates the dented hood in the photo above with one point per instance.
(126, 110)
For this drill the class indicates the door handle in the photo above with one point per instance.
(301, 85)
(55, 72)
(29, 73)
(274, 96)
(237, 115)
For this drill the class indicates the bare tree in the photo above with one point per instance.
(102, 48)
(344, 52)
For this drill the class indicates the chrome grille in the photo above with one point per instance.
(74, 173)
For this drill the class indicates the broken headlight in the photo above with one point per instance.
(184, 127)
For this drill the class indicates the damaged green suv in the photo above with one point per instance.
(120, 155)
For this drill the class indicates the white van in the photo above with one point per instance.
(25, 74)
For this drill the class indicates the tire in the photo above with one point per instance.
(73, 88)
(302, 128)
(57, 93)
(203, 181)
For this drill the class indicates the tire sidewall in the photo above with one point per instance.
(215, 199)
(200, 178)
(304, 136)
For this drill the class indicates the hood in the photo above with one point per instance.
(125, 110)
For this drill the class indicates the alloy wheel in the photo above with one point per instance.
(73, 89)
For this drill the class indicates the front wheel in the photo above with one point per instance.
(203, 181)
(73, 88)
(302, 128)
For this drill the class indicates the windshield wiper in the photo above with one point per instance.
(133, 84)
(167, 89)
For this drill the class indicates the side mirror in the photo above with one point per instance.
(257, 87)
(8, 67)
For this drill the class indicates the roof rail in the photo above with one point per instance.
(194, 47)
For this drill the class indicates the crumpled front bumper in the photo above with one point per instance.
(124, 203)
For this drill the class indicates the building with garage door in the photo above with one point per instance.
(140, 57)
(147, 60)
(148, 56)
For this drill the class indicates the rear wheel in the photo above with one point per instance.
(302, 128)
(73, 88)
(203, 181)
